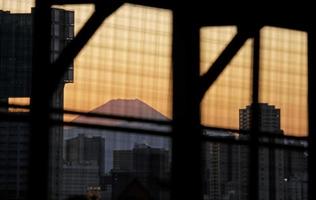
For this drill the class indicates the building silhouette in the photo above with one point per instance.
(16, 46)
(296, 172)
(221, 175)
(282, 173)
(83, 165)
(269, 118)
(150, 166)
(78, 177)
(271, 170)
(85, 149)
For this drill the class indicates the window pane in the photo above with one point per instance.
(124, 71)
(231, 91)
(283, 80)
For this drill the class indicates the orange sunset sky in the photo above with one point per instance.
(130, 57)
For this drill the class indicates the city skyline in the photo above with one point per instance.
(92, 155)
(279, 170)
(215, 147)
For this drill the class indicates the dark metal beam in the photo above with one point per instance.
(311, 113)
(40, 103)
(254, 129)
(67, 2)
(186, 135)
(74, 47)
(264, 20)
(223, 60)
(165, 4)
(293, 17)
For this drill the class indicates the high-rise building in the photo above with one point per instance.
(16, 45)
(78, 177)
(83, 165)
(271, 161)
(296, 172)
(149, 166)
(221, 168)
(269, 118)
(85, 149)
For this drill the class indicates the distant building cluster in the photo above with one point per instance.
(117, 162)
(83, 169)
(83, 165)
(282, 173)
(144, 162)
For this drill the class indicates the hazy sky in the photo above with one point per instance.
(130, 57)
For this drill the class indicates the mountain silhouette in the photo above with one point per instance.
(122, 140)
(122, 107)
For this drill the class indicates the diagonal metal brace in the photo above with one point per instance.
(74, 47)
(207, 79)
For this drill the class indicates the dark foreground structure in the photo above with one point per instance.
(16, 44)
(187, 135)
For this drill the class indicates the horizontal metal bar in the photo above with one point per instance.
(290, 18)
(153, 121)
(233, 141)
(205, 22)
(14, 117)
(12, 105)
(165, 4)
(115, 128)
(98, 115)
(65, 2)
(114, 117)
(25, 117)
(262, 134)
(295, 16)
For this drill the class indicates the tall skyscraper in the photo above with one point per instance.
(149, 166)
(16, 45)
(271, 161)
(296, 172)
(221, 168)
(269, 118)
(83, 166)
(85, 149)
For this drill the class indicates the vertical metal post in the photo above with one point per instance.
(311, 113)
(186, 137)
(40, 103)
(254, 142)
